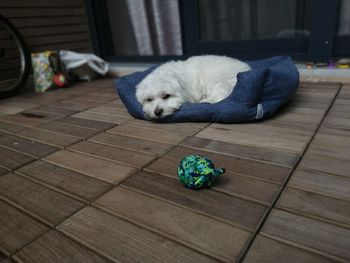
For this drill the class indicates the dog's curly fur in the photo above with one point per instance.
(198, 79)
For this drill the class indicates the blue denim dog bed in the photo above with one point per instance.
(258, 94)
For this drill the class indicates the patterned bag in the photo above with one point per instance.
(47, 71)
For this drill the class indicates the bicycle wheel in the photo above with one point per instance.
(14, 60)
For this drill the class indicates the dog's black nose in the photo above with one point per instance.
(158, 112)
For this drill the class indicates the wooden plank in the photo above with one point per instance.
(17, 229)
(43, 203)
(233, 184)
(334, 146)
(11, 127)
(319, 206)
(91, 124)
(267, 250)
(228, 208)
(68, 129)
(110, 110)
(101, 169)
(310, 233)
(199, 232)
(56, 248)
(339, 110)
(182, 128)
(256, 169)
(54, 110)
(49, 137)
(11, 160)
(29, 147)
(318, 182)
(326, 165)
(12, 107)
(132, 143)
(29, 118)
(342, 123)
(133, 158)
(152, 135)
(67, 181)
(3, 171)
(73, 104)
(274, 156)
(102, 117)
(123, 241)
(257, 136)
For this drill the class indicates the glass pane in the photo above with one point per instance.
(344, 18)
(232, 20)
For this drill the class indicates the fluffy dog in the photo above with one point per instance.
(198, 79)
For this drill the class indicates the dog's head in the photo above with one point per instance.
(159, 97)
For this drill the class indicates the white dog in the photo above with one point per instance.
(198, 79)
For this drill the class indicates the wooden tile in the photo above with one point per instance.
(264, 154)
(267, 250)
(102, 117)
(101, 169)
(11, 160)
(55, 247)
(259, 170)
(49, 137)
(182, 128)
(231, 209)
(327, 165)
(3, 171)
(316, 205)
(12, 107)
(123, 241)
(110, 110)
(258, 136)
(133, 158)
(340, 123)
(55, 110)
(11, 127)
(319, 100)
(233, 184)
(327, 145)
(75, 105)
(49, 206)
(91, 124)
(29, 118)
(69, 129)
(324, 237)
(17, 229)
(132, 143)
(152, 135)
(76, 184)
(199, 232)
(318, 182)
(29, 147)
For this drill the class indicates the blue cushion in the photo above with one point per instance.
(258, 94)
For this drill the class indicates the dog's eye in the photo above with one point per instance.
(166, 96)
(149, 99)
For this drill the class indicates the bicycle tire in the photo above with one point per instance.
(24, 59)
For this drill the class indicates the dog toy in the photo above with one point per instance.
(197, 172)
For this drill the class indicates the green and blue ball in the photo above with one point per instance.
(198, 172)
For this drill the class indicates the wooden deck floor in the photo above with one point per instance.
(82, 181)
